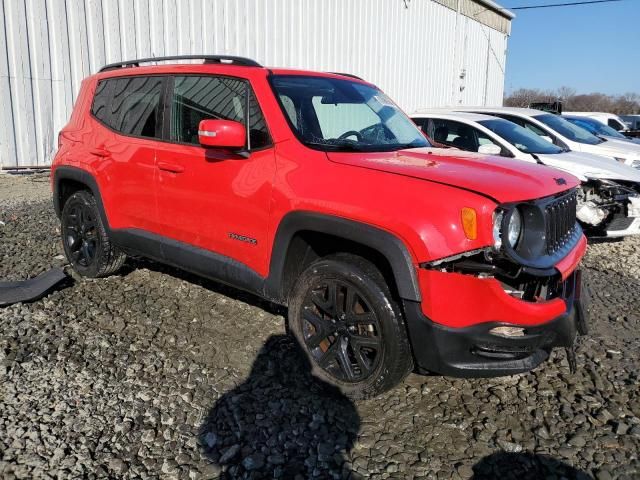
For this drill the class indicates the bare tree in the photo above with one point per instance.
(629, 103)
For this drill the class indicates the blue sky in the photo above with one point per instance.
(592, 48)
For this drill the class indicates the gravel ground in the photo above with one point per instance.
(157, 374)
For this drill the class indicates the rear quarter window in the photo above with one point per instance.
(129, 105)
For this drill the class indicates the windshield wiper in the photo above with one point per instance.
(351, 147)
(537, 159)
(401, 146)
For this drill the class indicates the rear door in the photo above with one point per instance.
(129, 113)
(212, 198)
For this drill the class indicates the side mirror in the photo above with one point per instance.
(489, 149)
(222, 134)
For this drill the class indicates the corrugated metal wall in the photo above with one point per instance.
(417, 51)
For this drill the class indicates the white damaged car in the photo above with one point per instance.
(609, 199)
(564, 134)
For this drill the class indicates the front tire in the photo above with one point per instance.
(86, 243)
(343, 315)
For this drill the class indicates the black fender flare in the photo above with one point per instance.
(79, 175)
(382, 241)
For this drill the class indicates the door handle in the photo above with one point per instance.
(170, 167)
(100, 152)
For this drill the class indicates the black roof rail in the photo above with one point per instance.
(230, 59)
(347, 75)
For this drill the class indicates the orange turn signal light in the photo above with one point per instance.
(470, 223)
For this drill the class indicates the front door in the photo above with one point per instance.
(210, 198)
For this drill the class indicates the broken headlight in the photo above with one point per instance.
(497, 229)
(509, 228)
(514, 227)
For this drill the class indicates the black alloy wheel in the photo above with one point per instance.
(81, 234)
(341, 330)
(350, 326)
(86, 241)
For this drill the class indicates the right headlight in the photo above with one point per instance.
(635, 164)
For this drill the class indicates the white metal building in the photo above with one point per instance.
(421, 52)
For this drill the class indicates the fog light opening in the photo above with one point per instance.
(508, 332)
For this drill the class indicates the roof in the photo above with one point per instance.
(452, 115)
(524, 112)
(170, 65)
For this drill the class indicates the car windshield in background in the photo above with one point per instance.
(342, 115)
(595, 127)
(523, 139)
(568, 130)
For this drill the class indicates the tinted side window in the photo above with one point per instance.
(220, 98)
(616, 125)
(129, 105)
(422, 123)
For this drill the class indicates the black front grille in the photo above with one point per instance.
(560, 221)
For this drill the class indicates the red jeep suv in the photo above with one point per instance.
(315, 191)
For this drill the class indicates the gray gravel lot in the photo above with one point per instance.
(157, 374)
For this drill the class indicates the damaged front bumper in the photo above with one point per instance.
(496, 348)
(492, 323)
(626, 224)
(609, 209)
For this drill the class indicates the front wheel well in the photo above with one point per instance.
(306, 247)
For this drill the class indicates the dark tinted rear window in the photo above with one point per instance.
(129, 105)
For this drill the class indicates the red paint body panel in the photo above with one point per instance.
(457, 300)
(217, 193)
(199, 195)
(494, 176)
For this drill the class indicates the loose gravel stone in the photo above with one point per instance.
(154, 373)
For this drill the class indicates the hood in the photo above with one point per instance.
(635, 141)
(614, 148)
(502, 179)
(587, 165)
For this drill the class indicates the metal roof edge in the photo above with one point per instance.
(499, 9)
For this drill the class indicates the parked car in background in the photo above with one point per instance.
(609, 199)
(598, 128)
(610, 119)
(315, 191)
(632, 121)
(564, 134)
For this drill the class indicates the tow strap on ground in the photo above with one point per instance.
(31, 289)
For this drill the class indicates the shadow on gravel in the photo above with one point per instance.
(524, 466)
(281, 422)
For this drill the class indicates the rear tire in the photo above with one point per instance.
(86, 242)
(344, 317)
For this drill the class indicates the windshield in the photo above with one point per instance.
(595, 127)
(523, 139)
(343, 115)
(568, 130)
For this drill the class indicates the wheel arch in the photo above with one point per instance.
(292, 251)
(67, 180)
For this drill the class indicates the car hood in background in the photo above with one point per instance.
(613, 148)
(635, 141)
(502, 179)
(586, 165)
